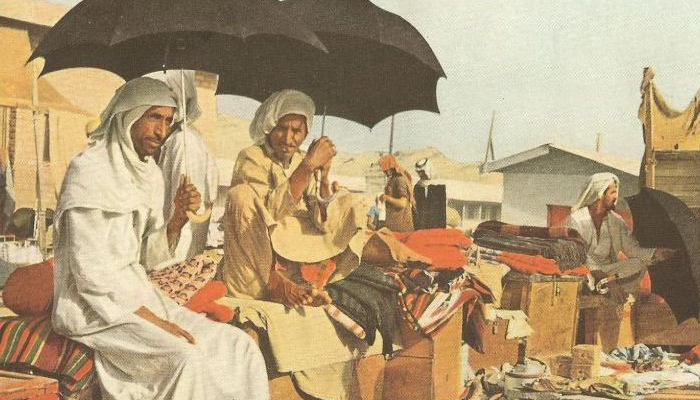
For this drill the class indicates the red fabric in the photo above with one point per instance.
(318, 274)
(692, 356)
(442, 246)
(204, 301)
(578, 271)
(530, 264)
(29, 290)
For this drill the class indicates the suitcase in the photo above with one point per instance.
(551, 304)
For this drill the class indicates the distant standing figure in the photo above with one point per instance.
(431, 199)
(376, 214)
(398, 195)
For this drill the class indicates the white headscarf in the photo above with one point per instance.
(426, 166)
(595, 188)
(108, 175)
(278, 105)
(173, 78)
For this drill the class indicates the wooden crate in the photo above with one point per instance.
(676, 172)
(497, 349)
(16, 386)
(551, 304)
(427, 368)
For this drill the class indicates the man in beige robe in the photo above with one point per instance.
(274, 212)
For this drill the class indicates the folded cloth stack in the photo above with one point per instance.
(527, 264)
(562, 245)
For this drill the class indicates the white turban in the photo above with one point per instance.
(594, 189)
(425, 166)
(278, 105)
(109, 175)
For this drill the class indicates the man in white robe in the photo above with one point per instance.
(108, 226)
(185, 153)
(607, 235)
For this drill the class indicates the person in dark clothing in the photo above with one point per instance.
(431, 199)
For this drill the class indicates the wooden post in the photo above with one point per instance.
(649, 161)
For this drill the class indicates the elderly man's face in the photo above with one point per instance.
(150, 131)
(610, 197)
(287, 136)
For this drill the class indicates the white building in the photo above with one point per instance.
(541, 184)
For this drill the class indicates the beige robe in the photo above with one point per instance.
(262, 219)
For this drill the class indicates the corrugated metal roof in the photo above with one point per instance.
(623, 164)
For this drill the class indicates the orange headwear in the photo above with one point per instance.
(388, 162)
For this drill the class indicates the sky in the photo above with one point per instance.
(552, 71)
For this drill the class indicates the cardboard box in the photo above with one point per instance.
(586, 354)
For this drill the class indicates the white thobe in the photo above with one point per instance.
(194, 161)
(99, 283)
(603, 249)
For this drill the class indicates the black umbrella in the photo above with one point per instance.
(134, 37)
(663, 220)
(377, 63)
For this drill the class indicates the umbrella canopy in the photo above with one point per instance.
(377, 63)
(663, 220)
(134, 37)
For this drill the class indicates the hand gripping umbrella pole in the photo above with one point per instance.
(192, 216)
(317, 173)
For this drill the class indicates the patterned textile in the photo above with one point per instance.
(565, 246)
(182, 280)
(429, 299)
(30, 344)
(369, 298)
(527, 264)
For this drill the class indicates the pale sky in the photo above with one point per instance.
(553, 71)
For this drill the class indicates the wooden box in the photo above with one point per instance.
(15, 386)
(497, 349)
(551, 304)
(426, 368)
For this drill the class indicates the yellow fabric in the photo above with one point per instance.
(301, 339)
(261, 215)
(664, 127)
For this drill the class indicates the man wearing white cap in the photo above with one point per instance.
(607, 235)
(273, 214)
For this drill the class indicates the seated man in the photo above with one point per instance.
(607, 235)
(109, 225)
(273, 213)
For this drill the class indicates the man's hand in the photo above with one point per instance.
(289, 293)
(167, 326)
(320, 154)
(187, 197)
(663, 254)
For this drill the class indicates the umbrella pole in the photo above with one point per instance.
(40, 220)
(391, 135)
(317, 173)
(192, 216)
